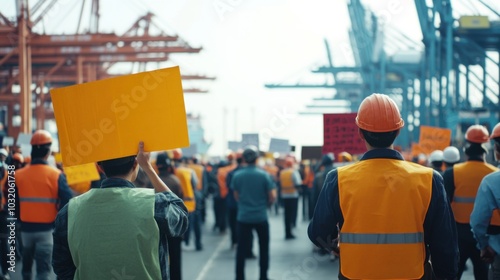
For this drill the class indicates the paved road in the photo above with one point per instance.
(289, 259)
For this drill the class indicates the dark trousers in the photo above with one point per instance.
(290, 205)
(194, 225)
(175, 257)
(4, 235)
(220, 209)
(244, 247)
(467, 247)
(305, 203)
(231, 215)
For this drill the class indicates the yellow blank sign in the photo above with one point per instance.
(81, 173)
(106, 119)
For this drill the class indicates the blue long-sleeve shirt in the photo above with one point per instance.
(486, 202)
(440, 233)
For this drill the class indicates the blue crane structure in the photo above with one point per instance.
(435, 82)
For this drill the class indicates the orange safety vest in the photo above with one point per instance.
(38, 188)
(184, 174)
(309, 177)
(384, 203)
(221, 178)
(286, 181)
(198, 169)
(467, 177)
(3, 186)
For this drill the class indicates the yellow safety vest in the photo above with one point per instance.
(384, 203)
(184, 175)
(467, 177)
(286, 181)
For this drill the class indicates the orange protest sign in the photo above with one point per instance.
(434, 138)
(106, 119)
(416, 150)
(81, 173)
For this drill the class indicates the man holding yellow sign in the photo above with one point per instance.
(123, 228)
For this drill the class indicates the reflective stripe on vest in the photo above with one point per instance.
(184, 174)
(286, 181)
(38, 199)
(467, 177)
(38, 190)
(384, 203)
(382, 238)
(129, 239)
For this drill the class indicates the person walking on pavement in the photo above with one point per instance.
(188, 180)
(166, 172)
(129, 244)
(42, 191)
(289, 182)
(387, 213)
(485, 217)
(254, 192)
(461, 183)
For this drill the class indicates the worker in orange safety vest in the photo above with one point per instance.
(289, 182)
(385, 217)
(461, 183)
(42, 191)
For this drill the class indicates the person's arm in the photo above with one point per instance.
(64, 192)
(62, 262)
(143, 161)
(234, 186)
(440, 232)
(194, 180)
(297, 181)
(449, 183)
(170, 214)
(484, 206)
(322, 230)
(271, 190)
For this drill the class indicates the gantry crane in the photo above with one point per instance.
(36, 62)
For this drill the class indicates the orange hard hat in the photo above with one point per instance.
(41, 137)
(477, 134)
(496, 132)
(177, 154)
(19, 157)
(379, 113)
(289, 162)
(345, 157)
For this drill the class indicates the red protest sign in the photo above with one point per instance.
(340, 134)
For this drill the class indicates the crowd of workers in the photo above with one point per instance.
(384, 217)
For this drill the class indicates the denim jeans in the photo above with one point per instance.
(37, 246)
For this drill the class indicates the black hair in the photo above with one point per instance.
(118, 166)
(239, 160)
(380, 139)
(40, 151)
(474, 150)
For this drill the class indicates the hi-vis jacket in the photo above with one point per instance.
(184, 174)
(42, 191)
(466, 177)
(388, 211)
(287, 181)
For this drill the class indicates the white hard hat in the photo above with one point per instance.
(451, 155)
(437, 155)
(4, 152)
